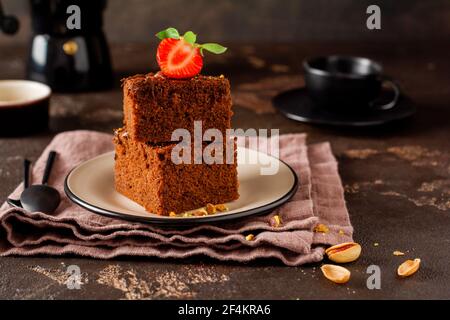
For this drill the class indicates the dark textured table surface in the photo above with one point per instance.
(397, 182)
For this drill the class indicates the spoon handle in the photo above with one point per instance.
(48, 166)
(26, 173)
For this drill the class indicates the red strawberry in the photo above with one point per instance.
(179, 59)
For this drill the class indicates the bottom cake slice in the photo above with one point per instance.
(146, 174)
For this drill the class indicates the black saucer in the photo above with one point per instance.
(297, 105)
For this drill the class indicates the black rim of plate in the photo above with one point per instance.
(184, 221)
(336, 123)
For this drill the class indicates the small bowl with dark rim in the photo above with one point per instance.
(24, 107)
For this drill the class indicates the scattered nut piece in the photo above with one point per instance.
(398, 253)
(221, 207)
(210, 208)
(321, 228)
(250, 237)
(376, 244)
(341, 232)
(199, 213)
(275, 221)
(408, 268)
(172, 214)
(335, 273)
(344, 252)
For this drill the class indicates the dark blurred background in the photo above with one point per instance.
(264, 20)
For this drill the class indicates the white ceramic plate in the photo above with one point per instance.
(91, 185)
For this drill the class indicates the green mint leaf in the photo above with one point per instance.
(214, 48)
(168, 33)
(190, 37)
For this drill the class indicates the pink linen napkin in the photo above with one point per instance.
(74, 230)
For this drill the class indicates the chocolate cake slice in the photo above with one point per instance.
(146, 174)
(155, 106)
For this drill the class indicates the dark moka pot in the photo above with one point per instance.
(67, 52)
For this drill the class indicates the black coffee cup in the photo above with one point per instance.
(342, 83)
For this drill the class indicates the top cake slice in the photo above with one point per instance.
(155, 106)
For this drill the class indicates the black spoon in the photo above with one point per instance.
(26, 183)
(41, 197)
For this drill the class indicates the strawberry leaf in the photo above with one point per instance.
(190, 37)
(214, 48)
(168, 33)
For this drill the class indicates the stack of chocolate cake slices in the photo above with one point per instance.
(145, 169)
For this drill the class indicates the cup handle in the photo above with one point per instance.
(393, 102)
